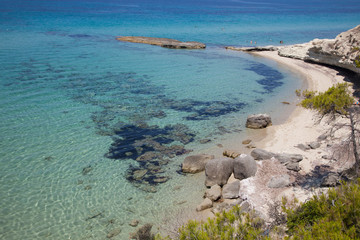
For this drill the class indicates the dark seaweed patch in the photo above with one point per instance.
(271, 77)
(204, 110)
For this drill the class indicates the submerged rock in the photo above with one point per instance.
(196, 163)
(114, 233)
(207, 203)
(143, 233)
(258, 121)
(163, 42)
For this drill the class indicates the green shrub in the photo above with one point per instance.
(335, 100)
(357, 62)
(233, 224)
(335, 215)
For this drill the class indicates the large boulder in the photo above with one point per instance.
(231, 190)
(214, 193)
(196, 163)
(244, 167)
(257, 121)
(218, 171)
(260, 154)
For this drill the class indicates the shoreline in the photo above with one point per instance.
(299, 127)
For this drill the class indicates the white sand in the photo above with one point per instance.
(302, 125)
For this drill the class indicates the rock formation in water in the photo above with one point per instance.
(342, 51)
(163, 42)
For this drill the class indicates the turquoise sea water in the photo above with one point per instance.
(93, 131)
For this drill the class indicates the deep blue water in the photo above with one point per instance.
(93, 130)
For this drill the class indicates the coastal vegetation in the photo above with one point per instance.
(336, 99)
(331, 215)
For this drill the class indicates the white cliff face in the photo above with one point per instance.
(341, 51)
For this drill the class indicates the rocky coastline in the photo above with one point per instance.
(343, 51)
(296, 159)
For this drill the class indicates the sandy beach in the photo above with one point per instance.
(301, 127)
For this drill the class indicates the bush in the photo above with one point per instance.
(357, 62)
(336, 99)
(335, 215)
(225, 226)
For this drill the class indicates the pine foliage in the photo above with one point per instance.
(336, 99)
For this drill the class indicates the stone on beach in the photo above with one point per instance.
(207, 203)
(218, 171)
(260, 154)
(244, 167)
(231, 154)
(279, 181)
(287, 157)
(163, 42)
(293, 166)
(331, 180)
(257, 121)
(214, 193)
(314, 145)
(231, 190)
(196, 163)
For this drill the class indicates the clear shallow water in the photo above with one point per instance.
(78, 107)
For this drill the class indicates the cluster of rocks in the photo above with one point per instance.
(218, 172)
(163, 42)
(291, 161)
(341, 51)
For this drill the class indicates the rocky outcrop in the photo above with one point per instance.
(257, 121)
(218, 171)
(196, 163)
(163, 42)
(340, 52)
(244, 167)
